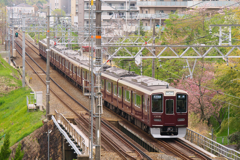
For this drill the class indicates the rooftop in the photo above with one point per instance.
(23, 5)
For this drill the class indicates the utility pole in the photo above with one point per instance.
(98, 64)
(153, 63)
(9, 54)
(48, 66)
(23, 51)
(92, 84)
(2, 27)
(139, 27)
(12, 34)
(228, 120)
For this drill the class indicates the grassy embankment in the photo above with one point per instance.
(14, 117)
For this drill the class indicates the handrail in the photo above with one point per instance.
(75, 135)
(211, 145)
(66, 136)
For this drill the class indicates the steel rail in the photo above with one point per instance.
(162, 143)
(140, 152)
(115, 146)
(196, 151)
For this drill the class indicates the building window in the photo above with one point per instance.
(146, 24)
(161, 11)
(173, 11)
(146, 12)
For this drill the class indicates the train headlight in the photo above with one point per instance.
(157, 119)
(181, 119)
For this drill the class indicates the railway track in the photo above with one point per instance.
(171, 146)
(33, 65)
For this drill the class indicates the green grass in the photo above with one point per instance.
(14, 117)
(8, 75)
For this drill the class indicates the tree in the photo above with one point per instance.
(19, 154)
(58, 12)
(200, 92)
(235, 138)
(5, 149)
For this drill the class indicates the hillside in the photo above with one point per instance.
(14, 117)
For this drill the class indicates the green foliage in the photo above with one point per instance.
(235, 138)
(19, 153)
(5, 149)
(142, 32)
(8, 77)
(58, 12)
(15, 118)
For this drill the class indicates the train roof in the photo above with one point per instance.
(143, 84)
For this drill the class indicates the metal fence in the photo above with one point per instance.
(75, 135)
(212, 146)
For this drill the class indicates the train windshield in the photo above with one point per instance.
(181, 103)
(157, 103)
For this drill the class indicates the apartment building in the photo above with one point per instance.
(160, 9)
(113, 10)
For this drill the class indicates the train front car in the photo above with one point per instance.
(169, 114)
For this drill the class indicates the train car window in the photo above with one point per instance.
(66, 64)
(83, 74)
(109, 87)
(119, 92)
(181, 103)
(70, 66)
(102, 85)
(127, 95)
(138, 100)
(157, 103)
(169, 106)
(60, 60)
(115, 90)
(88, 77)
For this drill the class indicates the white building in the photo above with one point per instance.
(17, 10)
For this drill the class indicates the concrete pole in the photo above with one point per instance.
(48, 66)
(139, 27)
(13, 50)
(92, 84)
(48, 145)
(9, 54)
(23, 51)
(228, 120)
(153, 60)
(98, 64)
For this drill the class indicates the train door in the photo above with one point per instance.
(169, 103)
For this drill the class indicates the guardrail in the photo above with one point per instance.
(71, 131)
(211, 146)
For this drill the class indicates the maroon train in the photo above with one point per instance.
(150, 104)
